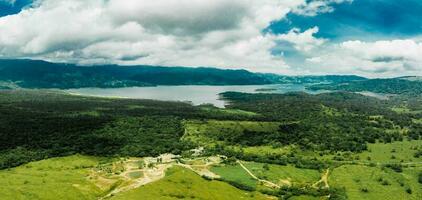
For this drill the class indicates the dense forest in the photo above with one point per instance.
(332, 121)
(387, 86)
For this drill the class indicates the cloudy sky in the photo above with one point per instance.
(376, 38)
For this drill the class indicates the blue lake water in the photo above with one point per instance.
(192, 93)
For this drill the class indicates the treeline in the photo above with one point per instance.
(385, 86)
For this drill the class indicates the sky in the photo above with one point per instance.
(373, 38)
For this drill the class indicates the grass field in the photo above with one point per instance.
(417, 121)
(235, 173)
(362, 182)
(405, 110)
(57, 178)
(181, 183)
(283, 174)
(265, 150)
(303, 197)
(233, 112)
(411, 175)
(393, 152)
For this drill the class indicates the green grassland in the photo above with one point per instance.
(229, 112)
(70, 178)
(395, 152)
(362, 182)
(236, 174)
(181, 183)
(417, 121)
(262, 150)
(411, 175)
(304, 197)
(283, 175)
(405, 110)
(56, 178)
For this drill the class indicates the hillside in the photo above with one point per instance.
(41, 74)
(408, 86)
(263, 146)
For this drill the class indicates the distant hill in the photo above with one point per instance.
(314, 79)
(42, 74)
(386, 86)
(411, 78)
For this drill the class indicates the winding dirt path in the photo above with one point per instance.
(324, 179)
(149, 175)
(268, 183)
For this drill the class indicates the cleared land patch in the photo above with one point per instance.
(283, 175)
(234, 173)
(181, 183)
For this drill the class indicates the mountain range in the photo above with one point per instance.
(41, 74)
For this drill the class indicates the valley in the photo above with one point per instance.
(337, 145)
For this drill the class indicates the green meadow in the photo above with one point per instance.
(283, 175)
(234, 173)
(52, 179)
(395, 152)
(362, 182)
(181, 183)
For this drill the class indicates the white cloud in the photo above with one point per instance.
(303, 41)
(384, 58)
(218, 33)
(315, 7)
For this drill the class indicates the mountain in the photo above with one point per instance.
(386, 86)
(411, 78)
(42, 74)
(313, 79)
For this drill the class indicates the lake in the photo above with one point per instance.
(192, 93)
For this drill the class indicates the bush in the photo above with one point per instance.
(396, 167)
(364, 189)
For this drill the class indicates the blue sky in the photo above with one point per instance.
(366, 37)
(361, 19)
(9, 7)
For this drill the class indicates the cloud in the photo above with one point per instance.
(303, 41)
(314, 7)
(217, 33)
(378, 58)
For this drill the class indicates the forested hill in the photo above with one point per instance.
(407, 86)
(42, 74)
